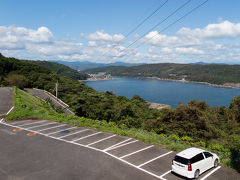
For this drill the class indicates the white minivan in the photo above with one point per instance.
(192, 162)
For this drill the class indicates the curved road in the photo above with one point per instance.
(45, 96)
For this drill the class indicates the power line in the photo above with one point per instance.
(164, 29)
(182, 6)
(136, 27)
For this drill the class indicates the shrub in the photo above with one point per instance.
(174, 137)
(187, 139)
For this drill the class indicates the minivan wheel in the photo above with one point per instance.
(196, 174)
(216, 163)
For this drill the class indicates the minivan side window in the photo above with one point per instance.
(197, 158)
(207, 154)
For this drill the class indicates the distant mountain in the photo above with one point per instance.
(210, 73)
(201, 63)
(88, 65)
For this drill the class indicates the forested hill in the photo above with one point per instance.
(62, 69)
(210, 73)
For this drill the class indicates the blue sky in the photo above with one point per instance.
(95, 30)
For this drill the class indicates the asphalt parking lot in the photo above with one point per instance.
(137, 157)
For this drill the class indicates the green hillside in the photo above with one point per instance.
(62, 69)
(210, 73)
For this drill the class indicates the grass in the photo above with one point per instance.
(27, 106)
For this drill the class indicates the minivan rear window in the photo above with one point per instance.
(181, 160)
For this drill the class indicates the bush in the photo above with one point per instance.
(187, 139)
(174, 137)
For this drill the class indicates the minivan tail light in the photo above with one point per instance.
(189, 167)
(172, 162)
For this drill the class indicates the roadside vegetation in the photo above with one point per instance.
(196, 123)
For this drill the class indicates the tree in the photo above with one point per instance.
(17, 80)
(235, 108)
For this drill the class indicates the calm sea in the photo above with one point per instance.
(166, 92)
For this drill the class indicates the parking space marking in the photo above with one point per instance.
(61, 130)
(164, 174)
(101, 140)
(51, 127)
(31, 123)
(154, 159)
(1, 120)
(116, 144)
(136, 152)
(22, 121)
(123, 145)
(73, 133)
(141, 169)
(207, 175)
(87, 136)
(87, 146)
(40, 125)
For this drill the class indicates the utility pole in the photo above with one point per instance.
(57, 90)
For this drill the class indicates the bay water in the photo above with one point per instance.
(166, 92)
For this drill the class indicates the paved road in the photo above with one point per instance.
(44, 96)
(43, 149)
(6, 100)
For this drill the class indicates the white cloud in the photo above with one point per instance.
(166, 50)
(37, 44)
(102, 36)
(156, 39)
(190, 50)
(187, 45)
(17, 34)
(92, 43)
(224, 29)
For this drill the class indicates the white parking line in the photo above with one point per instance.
(52, 127)
(164, 174)
(136, 152)
(211, 172)
(73, 133)
(117, 144)
(122, 145)
(10, 110)
(14, 123)
(154, 159)
(1, 120)
(61, 130)
(87, 136)
(139, 168)
(40, 125)
(101, 140)
(31, 123)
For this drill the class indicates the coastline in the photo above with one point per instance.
(226, 85)
(91, 79)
